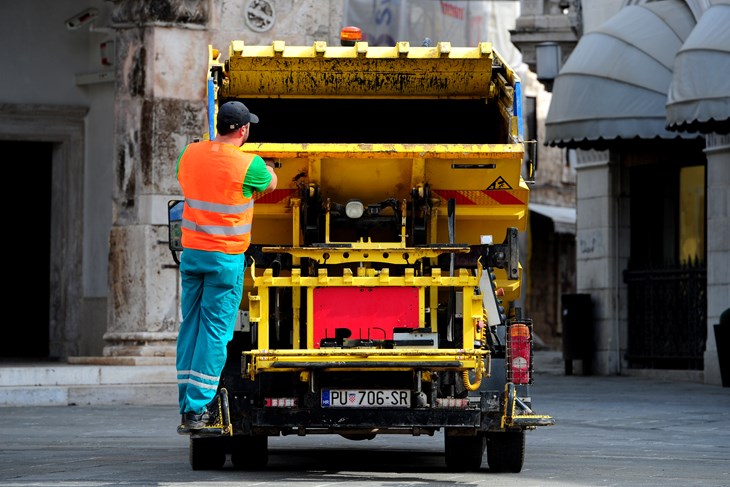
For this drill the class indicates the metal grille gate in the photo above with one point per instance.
(667, 317)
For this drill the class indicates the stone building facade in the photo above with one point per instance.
(652, 177)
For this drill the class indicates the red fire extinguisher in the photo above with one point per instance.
(519, 353)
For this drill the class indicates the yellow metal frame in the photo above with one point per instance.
(352, 71)
(264, 359)
(400, 71)
(512, 416)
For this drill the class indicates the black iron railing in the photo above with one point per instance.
(667, 314)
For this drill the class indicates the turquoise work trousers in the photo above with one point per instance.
(212, 287)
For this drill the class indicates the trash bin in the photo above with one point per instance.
(577, 319)
(722, 340)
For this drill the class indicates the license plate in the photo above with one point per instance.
(353, 398)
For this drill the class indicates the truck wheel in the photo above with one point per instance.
(207, 454)
(506, 451)
(250, 452)
(464, 453)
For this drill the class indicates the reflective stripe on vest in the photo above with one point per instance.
(216, 216)
(218, 208)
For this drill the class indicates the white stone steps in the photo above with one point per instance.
(63, 384)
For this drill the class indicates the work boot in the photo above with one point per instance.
(193, 421)
(196, 421)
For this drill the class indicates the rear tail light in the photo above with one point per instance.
(519, 353)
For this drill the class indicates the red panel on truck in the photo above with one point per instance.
(369, 313)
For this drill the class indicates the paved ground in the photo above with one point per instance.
(610, 431)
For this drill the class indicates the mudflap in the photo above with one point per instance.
(220, 419)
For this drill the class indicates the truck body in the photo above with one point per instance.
(383, 274)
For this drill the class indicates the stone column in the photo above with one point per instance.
(718, 246)
(162, 60)
(598, 262)
(160, 106)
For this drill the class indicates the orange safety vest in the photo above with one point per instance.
(216, 216)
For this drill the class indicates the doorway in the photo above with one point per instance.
(28, 234)
(666, 278)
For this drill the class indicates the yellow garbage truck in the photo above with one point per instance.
(383, 277)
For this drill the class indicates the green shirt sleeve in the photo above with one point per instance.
(177, 164)
(257, 177)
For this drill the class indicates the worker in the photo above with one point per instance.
(218, 181)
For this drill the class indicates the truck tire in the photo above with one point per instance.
(207, 453)
(464, 453)
(505, 451)
(250, 452)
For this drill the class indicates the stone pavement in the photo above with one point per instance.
(609, 432)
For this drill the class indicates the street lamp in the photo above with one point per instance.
(547, 60)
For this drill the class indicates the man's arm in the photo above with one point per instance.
(274, 179)
(260, 177)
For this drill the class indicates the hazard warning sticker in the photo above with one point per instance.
(499, 183)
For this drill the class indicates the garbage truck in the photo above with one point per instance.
(383, 279)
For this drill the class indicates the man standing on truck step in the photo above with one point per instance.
(218, 181)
